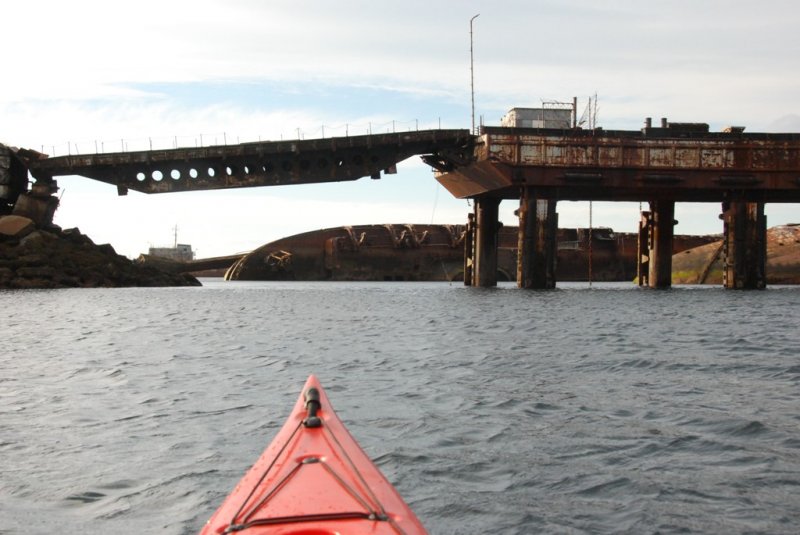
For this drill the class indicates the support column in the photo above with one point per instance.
(745, 245)
(656, 229)
(536, 251)
(469, 249)
(643, 264)
(484, 268)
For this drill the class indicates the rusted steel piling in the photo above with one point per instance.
(536, 256)
(660, 229)
(484, 269)
(745, 246)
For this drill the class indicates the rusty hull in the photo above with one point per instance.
(681, 164)
(360, 253)
(404, 252)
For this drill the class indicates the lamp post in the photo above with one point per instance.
(472, 71)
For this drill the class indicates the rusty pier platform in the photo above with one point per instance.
(675, 162)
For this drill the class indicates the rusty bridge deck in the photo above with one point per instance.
(654, 163)
(268, 163)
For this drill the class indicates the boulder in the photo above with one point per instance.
(38, 208)
(15, 226)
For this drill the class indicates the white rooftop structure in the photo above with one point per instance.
(538, 118)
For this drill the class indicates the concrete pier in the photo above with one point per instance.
(536, 255)
(745, 245)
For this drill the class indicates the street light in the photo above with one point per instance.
(472, 71)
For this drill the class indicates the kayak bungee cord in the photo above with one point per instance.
(246, 522)
(312, 395)
(263, 476)
(311, 421)
(383, 515)
(274, 521)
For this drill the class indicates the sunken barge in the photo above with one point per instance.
(406, 252)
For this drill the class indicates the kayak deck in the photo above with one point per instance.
(314, 479)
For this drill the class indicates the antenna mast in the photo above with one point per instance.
(472, 71)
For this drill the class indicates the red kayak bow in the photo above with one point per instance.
(314, 479)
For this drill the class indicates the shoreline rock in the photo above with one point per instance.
(32, 258)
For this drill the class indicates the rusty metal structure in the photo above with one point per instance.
(660, 165)
(268, 163)
(390, 252)
(419, 252)
(676, 162)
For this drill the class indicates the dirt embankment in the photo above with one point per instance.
(704, 265)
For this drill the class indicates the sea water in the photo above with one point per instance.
(600, 409)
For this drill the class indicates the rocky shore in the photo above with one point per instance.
(32, 257)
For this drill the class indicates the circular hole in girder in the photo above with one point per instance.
(157, 175)
(339, 162)
(268, 167)
(175, 174)
(211, 172)
(246, 169)
(229, 171)
(193, 172)
(140, 176)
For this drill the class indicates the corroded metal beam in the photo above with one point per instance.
(268, 163)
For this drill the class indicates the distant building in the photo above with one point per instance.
(538, 118)
(180, 252)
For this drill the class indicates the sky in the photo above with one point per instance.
(106, 76)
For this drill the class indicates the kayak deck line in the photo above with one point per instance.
(312, 421)
(247, 523)
(314, 473)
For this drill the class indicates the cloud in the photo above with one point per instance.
(786, 123)
(712, 61)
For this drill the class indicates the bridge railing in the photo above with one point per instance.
(112, 145)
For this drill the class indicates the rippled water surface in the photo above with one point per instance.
(602, 410)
